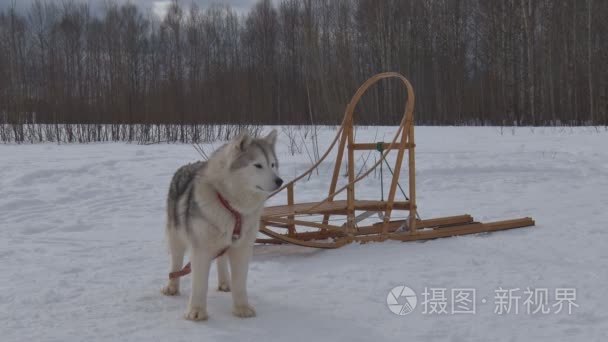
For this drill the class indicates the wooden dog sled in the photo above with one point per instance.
(291, 223)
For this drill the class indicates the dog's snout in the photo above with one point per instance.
(278, 181)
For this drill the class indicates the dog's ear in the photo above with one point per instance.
(242, 141)
(271, 138)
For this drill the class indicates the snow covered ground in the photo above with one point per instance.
(83, 259)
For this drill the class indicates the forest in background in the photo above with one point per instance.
(125, 71)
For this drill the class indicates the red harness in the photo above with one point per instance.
(236, 234)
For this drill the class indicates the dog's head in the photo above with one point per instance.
(253, 165)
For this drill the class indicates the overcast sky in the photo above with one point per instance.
(156, 6)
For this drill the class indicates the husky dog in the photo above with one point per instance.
(207, 202)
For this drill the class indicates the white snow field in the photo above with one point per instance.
(83, 255)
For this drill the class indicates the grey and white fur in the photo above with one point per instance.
(244, 172)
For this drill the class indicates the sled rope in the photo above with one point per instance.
(236, 234)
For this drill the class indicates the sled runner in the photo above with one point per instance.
(313, 224)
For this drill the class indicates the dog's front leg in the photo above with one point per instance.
(239, 265)
(201, 262)
(223, 275)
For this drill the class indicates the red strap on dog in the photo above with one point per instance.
(183, 272)
(236, 234)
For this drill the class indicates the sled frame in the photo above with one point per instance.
(282, 224)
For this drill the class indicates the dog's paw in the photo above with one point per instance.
(170, 290)
(243, 311)
(223, 287)
(196, 314)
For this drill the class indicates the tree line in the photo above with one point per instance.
(511, 62)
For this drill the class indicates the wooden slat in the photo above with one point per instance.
(374, 146)
(429, 223)
(334, 178)
(442, 227)
(318, 235)
(441, 222)
(444, 221)
(335, 207)
(412, 177)
(271, 221)
(472, 228)
(509, 224)
(315, 244)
